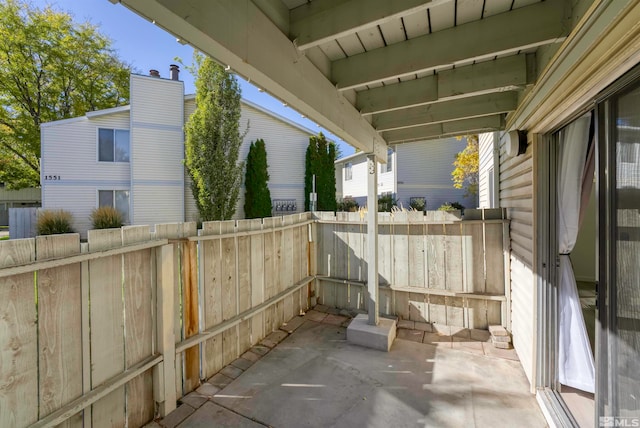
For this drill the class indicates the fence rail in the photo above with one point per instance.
(116, 329)
(435, 268)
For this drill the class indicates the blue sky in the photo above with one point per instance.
(146, 47)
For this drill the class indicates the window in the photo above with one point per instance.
(388, 167)
(115, 198)
(113, 145)
(348, 171)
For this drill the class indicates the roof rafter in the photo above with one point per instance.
(499, 75)
(447, 111)
(509, 32)
(240, 35)
(321, 21)
(446, 129)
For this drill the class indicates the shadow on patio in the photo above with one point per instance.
(314, 378)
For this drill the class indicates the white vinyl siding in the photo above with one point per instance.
(157, 150)
(487, 170)
(286, 146)
(424, 170)
(77, 199)
(69, 150)
(516, 195)
(357, 186)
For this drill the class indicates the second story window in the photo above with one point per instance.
(113, 145)
(348, 172)
(387, 167)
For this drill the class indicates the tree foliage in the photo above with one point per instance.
(51, 68)
(213, 141)
(257, 201)
(465, 174)
(319, 160)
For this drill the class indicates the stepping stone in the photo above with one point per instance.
(411, 335)
(409, 325)
(335, 319)
(231, 371)
(424, 326)
(251, 356)
(207, 389)
(291, 325)
(315, 316)
(260, 350)
(220, 380)
(178, 415)
(274, 338)
(242, 364)
(194, 399)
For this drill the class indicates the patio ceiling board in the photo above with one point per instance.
(445, 129)
(447, 111)
(240, 35)
(383, 57)
(442, 16)
(524, 28)
(486, 77)
(416, 24)
(332, 50)
(469, 10)
(321, 20)
(494, 7)
(393, 31)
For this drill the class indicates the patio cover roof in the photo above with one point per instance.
(376, 72)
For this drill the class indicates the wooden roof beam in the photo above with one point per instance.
(446, 129)
(321, 21)
(504, 74)
(447, 111)
(510, 32)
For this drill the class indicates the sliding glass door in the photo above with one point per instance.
(618, 343)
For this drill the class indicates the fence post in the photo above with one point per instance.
(164, 376)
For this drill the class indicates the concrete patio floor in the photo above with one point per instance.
(314, 378)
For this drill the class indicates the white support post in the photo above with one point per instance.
(372, 238)
(164, 374)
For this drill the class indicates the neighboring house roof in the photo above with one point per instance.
(188, 97)
(350, 157)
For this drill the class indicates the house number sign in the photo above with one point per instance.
(52, 177)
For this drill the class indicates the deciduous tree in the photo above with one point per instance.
(51, 68)
(465, 174)
(213, 141)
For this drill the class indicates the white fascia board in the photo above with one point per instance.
(239, 35)
(88, 115)
(98, 113)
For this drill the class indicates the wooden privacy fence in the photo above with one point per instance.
(111, 332)
(22, 222)
(434, 268)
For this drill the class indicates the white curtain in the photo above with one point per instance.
(575, 359)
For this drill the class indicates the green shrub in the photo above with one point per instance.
(348, 205)
(106, 218)
(54, 222)
(418, 204)
(451, 206)
(386, 203)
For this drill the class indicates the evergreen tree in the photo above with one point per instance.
(319, 160)
(213, 141)
(257, 201)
